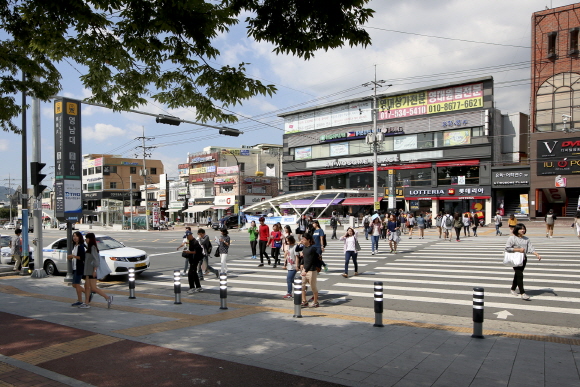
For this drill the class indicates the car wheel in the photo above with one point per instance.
(50, 268)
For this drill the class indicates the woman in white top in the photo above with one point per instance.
(290, 264)
(376, 228)
(349, 240)
(518, 243)
(577, 224)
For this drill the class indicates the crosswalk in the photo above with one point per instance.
(431, 276)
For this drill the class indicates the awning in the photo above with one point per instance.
(221, 207)
(360, 201)
(198, 208)
(458, 163)
(303, 203)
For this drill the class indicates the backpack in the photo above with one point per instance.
(366, 221)
(549, 219)
(448, 222)
(333, 222)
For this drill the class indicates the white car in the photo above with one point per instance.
(62, 226)
(119, 258)
(5, 255)
(9, 226)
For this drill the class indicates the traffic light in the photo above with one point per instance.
(230, 132)
(169, 120)
(36, 177)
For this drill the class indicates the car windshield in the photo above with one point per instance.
(108, 243)
(5, 241)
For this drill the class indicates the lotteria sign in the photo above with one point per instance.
(448, 193)
(354, 135)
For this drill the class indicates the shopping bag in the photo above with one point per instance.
(513, 259)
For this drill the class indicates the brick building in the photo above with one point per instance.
(555, 108)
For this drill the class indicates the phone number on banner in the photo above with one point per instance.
(442, 107)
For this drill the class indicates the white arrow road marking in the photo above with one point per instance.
(503, 314)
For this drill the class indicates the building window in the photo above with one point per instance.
(552, 41)
(257, 189)
(154, 171)
(113, 169)
(84, 187)
(95, 187)
(133, 185)
(466, 175)
(133, 170)
(555, 100)
(91, 171)
(227, 189)
(477, 132)
(300, 183)
(98, 169)
(84, 172)
(573, 48)
(113, 185)
(242, 167)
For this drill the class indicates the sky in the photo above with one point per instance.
(411, 58)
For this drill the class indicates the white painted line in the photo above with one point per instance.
(543, 268)
(173, 252)
(476, 261)
(391, 269)
(455, 291)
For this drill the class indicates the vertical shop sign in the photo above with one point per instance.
(67, 159)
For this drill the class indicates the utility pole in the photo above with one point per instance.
(25, 258)
(375, 139)
(131, 198)
(144, 172)
(36, 166)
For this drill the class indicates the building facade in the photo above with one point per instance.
(555, 107)
(112, 183)
(439, 142)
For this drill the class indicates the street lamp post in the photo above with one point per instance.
(239, 185)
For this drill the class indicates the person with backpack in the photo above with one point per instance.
(290, 264)
(367, 225)
(457, 225)
(403, 221)
(204, 241)
(16, 250)
(447, 224)
(309, 268)
(302, 225)
(334, 222)
(184, 244)
(393, 227)
(497, 220)
(319, 242)
(275, 241)
(550, 220)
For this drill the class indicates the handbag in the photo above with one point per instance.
(103, 270)
(357, 245)
(217, 253)
(185, 255)
(499, 224)
(277, 244)
(513, 259)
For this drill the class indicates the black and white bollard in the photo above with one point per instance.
(378, 304)
(297, 296)
(223, 290)
(177, 286)
(477, 313)
(132, 284)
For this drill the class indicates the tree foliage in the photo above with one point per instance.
(134, 50)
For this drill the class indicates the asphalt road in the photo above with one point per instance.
(427, 276)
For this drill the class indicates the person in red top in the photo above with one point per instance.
(263, 235)
(275, 242)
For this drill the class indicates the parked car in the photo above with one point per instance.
(9, 226)
(62, 226)
(119, 257)
(228, 221)
(5, 255)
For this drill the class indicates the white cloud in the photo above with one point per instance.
(4, 145)
(103, 132)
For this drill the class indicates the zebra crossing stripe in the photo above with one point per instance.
(479, 260)
(543, 268)
(391, 269)
(455, 291)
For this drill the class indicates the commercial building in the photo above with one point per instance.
(555, 106)
(440, 142)
(111, 183)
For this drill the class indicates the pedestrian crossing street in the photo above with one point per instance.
(431, 276)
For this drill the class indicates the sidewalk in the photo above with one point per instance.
(151, 341)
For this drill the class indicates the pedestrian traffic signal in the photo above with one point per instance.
(36, 177)
(230, 132)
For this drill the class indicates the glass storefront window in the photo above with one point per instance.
(320, 151)
(466, 175)
(425, 140)
(413, 177)
(300, 183)
(361, 180)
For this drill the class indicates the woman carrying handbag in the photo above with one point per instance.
(518, 243)
(351, 248)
